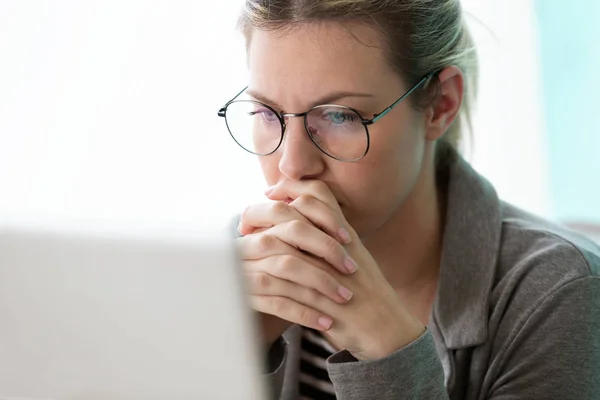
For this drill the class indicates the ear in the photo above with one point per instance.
(446, 105)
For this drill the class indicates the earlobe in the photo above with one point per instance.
(446, 106)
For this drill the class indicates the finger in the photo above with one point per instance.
(265, 215)
(292, 311)
(259, 217)
(274, 275)
(308, 238)
(320, 215)
(257, 246)
(293, 238)
(289, 189)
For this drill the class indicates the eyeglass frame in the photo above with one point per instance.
(281, 117)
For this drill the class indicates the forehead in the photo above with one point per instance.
(317, 55)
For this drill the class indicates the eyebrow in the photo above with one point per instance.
(327, 99)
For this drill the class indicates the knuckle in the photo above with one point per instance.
(303, 201)
(305, 316)
(261, 280)
(264, 243)
(332, 245)
(280, 207)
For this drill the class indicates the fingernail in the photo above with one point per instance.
(325, 322)
(344, 236)
(345, 293)
(350, 264)
(269, 190)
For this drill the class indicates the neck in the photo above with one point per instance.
(408, 246)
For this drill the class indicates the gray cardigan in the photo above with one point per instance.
(516, 315)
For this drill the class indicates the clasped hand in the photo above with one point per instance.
(306, 265)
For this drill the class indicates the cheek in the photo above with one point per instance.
(379, 184)
(395, 157)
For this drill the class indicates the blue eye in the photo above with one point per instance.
(336, 117)
(340, 117)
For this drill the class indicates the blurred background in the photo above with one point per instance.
(108, 110)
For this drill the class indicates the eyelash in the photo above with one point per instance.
(363, 113)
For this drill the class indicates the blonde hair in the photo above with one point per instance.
(420, 36)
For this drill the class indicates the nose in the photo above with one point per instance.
(300, 158)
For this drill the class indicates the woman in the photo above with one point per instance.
(390, 267)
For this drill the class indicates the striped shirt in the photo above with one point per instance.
(314, 379)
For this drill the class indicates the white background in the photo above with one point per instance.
(108, 111)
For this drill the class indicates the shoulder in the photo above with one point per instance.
(531, 243)
(544, 311)
(539, 265)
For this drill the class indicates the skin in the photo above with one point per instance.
(382, 214)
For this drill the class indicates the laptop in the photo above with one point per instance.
(117, 316)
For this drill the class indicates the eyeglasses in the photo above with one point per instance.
(338, 131)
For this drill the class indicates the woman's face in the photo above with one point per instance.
(294, 70)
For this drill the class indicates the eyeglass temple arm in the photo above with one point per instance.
(222, 110)
(377, 116)
(387, 110)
